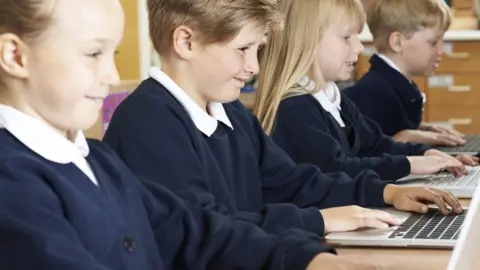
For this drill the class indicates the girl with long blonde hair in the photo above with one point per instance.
(301, 107)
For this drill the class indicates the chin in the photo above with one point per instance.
(229, 95)
(88, 121)
(344, 77)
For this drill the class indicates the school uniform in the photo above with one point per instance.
(225, 162)
(335, 136)
(388, 97)
(76, 206)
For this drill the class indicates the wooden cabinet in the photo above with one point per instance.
(464, 118)
(453, 93)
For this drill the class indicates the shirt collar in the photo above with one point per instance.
(329, 97)
(204, 122)
(389, 62)
(42, 139)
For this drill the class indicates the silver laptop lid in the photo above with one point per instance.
(468, 243)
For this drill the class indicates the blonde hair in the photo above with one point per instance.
(405, 16)
(215, 20)
(289, 54)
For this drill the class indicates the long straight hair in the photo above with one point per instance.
(290, 53)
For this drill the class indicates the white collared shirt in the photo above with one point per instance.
(204, 122)
(45, 141)
(330, 100)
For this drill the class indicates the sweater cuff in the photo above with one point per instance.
(420, 149)
(375, 193)
(403, 166)
(313, 221)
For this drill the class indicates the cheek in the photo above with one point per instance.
(236, 64)
(229, 67)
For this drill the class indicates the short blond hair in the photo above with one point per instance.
(404, 16)
(215, 20)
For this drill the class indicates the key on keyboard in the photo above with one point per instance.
(432, 225)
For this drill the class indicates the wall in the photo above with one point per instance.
(128, 57)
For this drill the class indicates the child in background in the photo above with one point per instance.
(70, 203)
(299, 104)
(408, 37)
(183, 128)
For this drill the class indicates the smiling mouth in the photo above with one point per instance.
(240, 81)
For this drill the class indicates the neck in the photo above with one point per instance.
(397, 60)
(180, 77)
(21, 105)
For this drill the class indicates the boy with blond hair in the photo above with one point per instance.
(408, 37)
(184, 128)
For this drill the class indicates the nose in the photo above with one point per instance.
(440, 48)
(359, 48)
(111, 76)
(251, 62)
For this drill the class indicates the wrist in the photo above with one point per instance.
(430, 152)
(425, 127)
(389, 193)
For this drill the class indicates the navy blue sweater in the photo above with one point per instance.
(238, 172)
(388, 97)
(53, 217)
(309, 133)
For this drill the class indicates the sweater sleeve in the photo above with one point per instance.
(196, 238)
(182, 171)
(304, 134)
(375, 142)
(306, 185)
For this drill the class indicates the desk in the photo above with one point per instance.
(402, 258)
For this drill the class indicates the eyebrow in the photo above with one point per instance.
(100, 40)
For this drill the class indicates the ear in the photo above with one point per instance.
(13, 56)
(183, 42)
(396, 41)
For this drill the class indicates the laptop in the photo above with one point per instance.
(471, 147)
(464, 255)
(462, 187)
(431, 230)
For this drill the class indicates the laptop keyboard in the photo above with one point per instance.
(433, 225)
(472, 145)
(449, 180)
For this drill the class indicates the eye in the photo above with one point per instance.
(243, 49)
(95, 54)
(347, 37)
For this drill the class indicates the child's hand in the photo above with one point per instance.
(432, 164)
(428, 137)
(468, 160)
(442, 129)
(458, 169)
(349, 218)
(415, 199)
(334, 262)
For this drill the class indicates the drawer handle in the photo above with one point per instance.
(459, 88)
(460, 121)
(459, 55)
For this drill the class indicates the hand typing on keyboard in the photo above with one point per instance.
(462, 160)
(415, 199)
